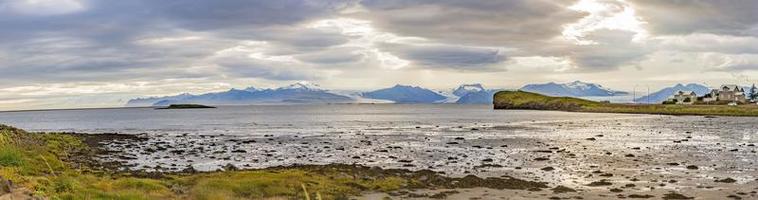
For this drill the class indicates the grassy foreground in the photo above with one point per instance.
(45, 165)
(532, 101)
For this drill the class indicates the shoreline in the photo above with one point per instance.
(639, 157)
(82, 160)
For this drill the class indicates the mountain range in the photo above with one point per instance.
(309, 93)
(572, 89)
(301, 92)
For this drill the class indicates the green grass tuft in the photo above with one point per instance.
(10, 156)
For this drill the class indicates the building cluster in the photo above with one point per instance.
(726, 94)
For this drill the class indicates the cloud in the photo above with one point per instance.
(164, 47)
(447, 56)
(514, 23)
(729, 62)
(205, 15)
(682, 17)
(612, 49)
(243, 62)
(104, 40)
(706, 42)
(42, 7)
(342, 55)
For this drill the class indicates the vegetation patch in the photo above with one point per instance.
(531, 101)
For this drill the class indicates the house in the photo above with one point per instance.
(726, 93)
(683, 97)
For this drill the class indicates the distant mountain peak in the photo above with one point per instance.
(464, 89)
(405, 86)
(406, 94)
(572, 89)
(251, 89)
(663, 94)
(303, 85)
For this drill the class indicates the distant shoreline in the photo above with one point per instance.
(103, 108)
(64, 109)
(520, 100)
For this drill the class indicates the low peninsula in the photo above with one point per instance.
(520, 100)
(186, 106)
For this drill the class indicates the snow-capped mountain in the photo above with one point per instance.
(301, 92)
(303, 86)
(468, 88)
(665, 93)
(573, 89)
(473, 94)
(405, 94)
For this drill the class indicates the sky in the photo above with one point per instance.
(100, 53)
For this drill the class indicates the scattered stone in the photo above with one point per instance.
(602, 182)
(562, 189)
(726, 180)
(638, 196)
(674, 195)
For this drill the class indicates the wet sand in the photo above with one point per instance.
(630, 156)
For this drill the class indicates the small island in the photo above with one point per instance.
(520, 100)
(186, 106)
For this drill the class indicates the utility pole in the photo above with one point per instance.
(634, 93)
(648, 94)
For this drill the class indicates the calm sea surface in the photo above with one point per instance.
(257, 120)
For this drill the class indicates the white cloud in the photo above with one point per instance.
(43, 7)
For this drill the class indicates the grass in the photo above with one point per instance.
(533, 101)
(10, 157)
(43, 163)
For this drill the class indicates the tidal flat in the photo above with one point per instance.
(565, 155)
